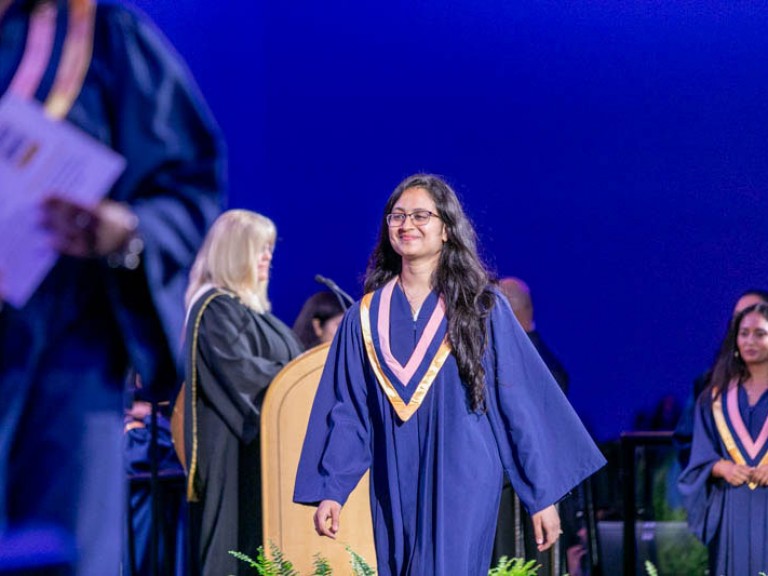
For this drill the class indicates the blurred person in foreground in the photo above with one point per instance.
(114, 298)
(432, 385)
(234, 346)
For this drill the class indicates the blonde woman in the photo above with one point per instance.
(234, 347)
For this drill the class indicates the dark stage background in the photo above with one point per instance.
(613, 154)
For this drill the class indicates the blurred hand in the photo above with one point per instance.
(574, 558)
(546, 527)
(139, 410)
(88, 232)
(734, 474)
(328, 510)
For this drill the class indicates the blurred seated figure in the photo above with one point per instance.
(318, 320)
(167, 486)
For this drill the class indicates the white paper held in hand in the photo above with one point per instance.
(40, 158)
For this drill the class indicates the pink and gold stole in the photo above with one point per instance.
(378, 359)
(733, 432)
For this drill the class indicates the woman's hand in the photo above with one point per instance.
(734, 474)
(327, 510)
(546, 527)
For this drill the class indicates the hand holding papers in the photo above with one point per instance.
(84, 232)
(52, 178)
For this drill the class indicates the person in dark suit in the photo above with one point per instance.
(519, 296)
(514, 534)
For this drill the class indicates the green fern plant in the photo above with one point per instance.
(359, 565)
(651, 569)
(279, 565)
(515, 567)
(321, 566)
(285, 568)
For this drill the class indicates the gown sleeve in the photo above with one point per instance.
(703, 496)
(173, 182)
(235, 373)
(337, 446)
(544, 447)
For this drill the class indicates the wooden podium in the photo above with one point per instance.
(284, 419)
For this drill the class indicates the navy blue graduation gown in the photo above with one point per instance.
(63, 356)
(436, 477)
(731, 521)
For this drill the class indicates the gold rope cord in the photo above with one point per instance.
(192, 495)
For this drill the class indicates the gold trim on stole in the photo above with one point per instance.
(192, 495)
(403, 410)
(727, 437)
(75, 59)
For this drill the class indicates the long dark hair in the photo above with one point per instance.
(321, 306)
(729, 363)
(460, 277)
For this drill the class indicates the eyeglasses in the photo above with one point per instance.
(419, 218)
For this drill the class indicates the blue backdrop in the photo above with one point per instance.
(612, 154)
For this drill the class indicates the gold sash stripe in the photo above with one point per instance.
(192, 495)
(75, 59)
(74, 62)
(725, 434)
(403, 410)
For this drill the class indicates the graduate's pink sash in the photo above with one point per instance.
(74, 61)
(745, 450)
(402, 409)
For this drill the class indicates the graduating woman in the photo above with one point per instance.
(725, 484)
(432, 385)
(234, 347)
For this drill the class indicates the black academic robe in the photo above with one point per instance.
(232, 355)
(64, 355)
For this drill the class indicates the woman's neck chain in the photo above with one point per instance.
(412, 301)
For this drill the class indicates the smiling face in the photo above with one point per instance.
(417, 242)
(752, 339)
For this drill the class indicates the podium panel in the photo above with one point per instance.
(284, 419)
